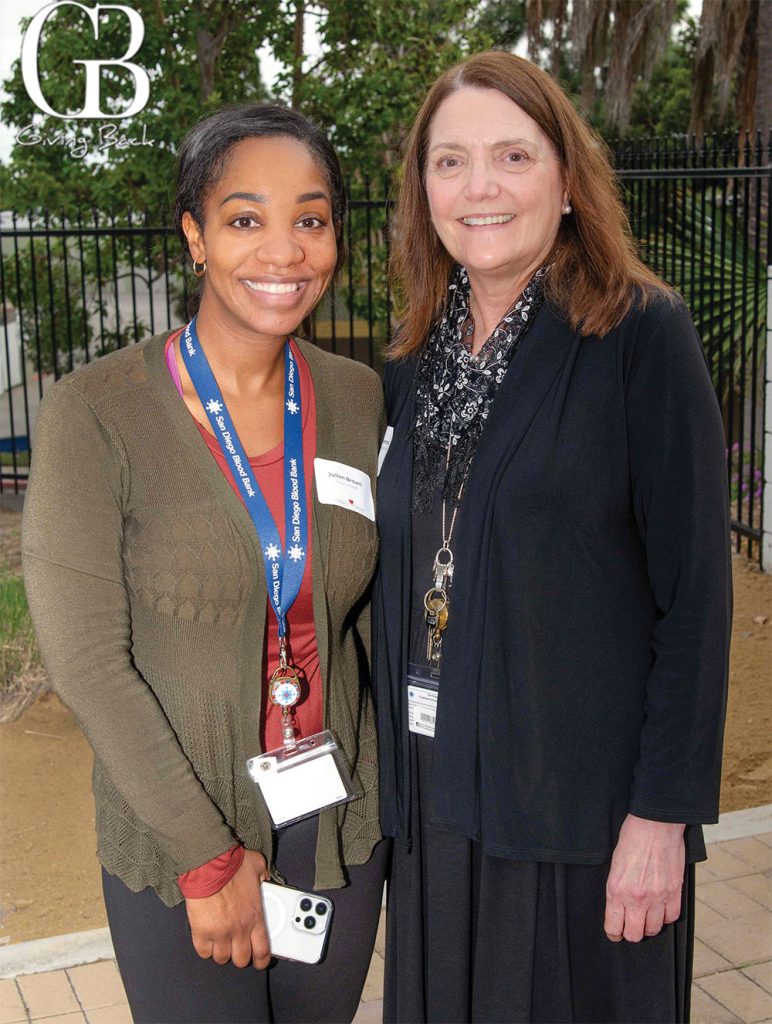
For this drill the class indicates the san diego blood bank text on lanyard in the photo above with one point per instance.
(283, 568)
(306, 774)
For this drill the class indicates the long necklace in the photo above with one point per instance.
(436, 599)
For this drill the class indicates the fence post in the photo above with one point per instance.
(766, 525)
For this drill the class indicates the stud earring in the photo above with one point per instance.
(567, 209)
(199, 269)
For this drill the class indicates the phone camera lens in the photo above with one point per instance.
(306, 903)
(309, 922)
(321, 909)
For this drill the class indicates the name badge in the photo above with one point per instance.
(344, 486)
(385, 445)
(299, 782)
(422, 708)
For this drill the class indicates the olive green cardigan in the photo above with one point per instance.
(147, 590)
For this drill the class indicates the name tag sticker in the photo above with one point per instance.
(385, 445)
(345, 486)
(421, 709)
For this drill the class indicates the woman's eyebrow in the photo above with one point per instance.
(254, 197)
(447, 145)
(251, 197)
(500, 142)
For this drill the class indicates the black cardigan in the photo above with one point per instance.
(584, 666)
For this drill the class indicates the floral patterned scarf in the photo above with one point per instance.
(455, 388)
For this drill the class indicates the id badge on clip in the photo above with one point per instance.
(298, 782)
(422, 692)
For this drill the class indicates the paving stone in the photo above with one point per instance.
(706, 1010)
(761, 974)
(11, 1005)
(765, 837)
(739, 994)
(369, 1013)
(746, 940)
(61, 1018)
(374, 984)
(706, 961)
(757, 855)
(48, 994)
(703, 872)
(724, 864)
(705, 916)
(727, 899)
(97, 985)
(758, 887)
(111, 1015)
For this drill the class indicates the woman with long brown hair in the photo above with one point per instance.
(551, 615)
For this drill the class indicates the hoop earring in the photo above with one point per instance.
(199, 269)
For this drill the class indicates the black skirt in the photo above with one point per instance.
(474, 938)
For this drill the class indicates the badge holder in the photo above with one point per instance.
(300, 780)
(422, 691)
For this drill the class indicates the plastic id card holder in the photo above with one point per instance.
(300, 781)
(422, 691)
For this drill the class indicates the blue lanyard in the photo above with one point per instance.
(283, 569)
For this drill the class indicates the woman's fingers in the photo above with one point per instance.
(203, 946)
(655, 918)
(632, 922)
(673, 908)
(261, 949)
(241, 951)
(635, 922)
(614, 922)
(221, 952)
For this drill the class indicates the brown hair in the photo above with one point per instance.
(595, 274)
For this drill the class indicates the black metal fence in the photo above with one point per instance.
(701, 216)
(73, 287)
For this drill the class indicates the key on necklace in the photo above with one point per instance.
(436, 615)
(443, 569)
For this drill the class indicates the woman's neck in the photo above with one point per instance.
(242, 361)
(489, 300)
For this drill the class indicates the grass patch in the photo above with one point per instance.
(22, 678)
(22, 459)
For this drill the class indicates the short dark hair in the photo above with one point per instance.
(204, 153)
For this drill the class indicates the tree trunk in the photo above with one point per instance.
(208, 47)
(297, 66)
(763, 104)
(749, 74)
(557, 39)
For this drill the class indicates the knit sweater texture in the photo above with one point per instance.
(147, 589)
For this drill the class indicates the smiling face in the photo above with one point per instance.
(267, 236)
(494, 186)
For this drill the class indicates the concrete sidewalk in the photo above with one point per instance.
(50, 981)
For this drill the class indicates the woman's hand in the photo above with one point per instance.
(229, 925)
(643, 890)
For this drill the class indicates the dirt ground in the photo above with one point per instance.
(49, 876)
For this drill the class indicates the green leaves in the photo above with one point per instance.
(197, 54)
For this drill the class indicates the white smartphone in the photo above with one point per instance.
(298, 922)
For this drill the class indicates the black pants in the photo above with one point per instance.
(166, 981)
